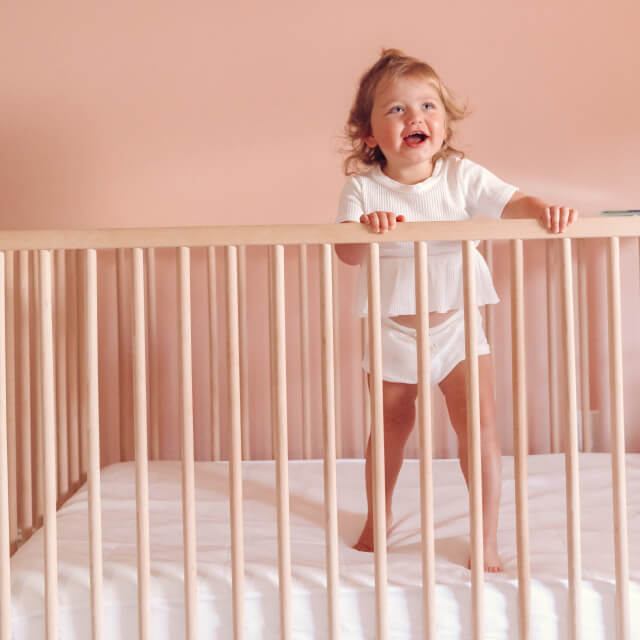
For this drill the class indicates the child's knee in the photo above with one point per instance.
(399, 418)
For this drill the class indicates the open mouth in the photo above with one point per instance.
(415, 138)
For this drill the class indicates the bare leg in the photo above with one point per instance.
(454, 390)
(399, 415)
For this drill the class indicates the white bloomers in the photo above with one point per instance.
(446, 349)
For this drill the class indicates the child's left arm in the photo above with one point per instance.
(554, 218)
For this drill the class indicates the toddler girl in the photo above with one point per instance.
(402, 167)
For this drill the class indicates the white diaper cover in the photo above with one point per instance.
(446, 349)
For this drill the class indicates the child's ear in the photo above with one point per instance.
(370, 141)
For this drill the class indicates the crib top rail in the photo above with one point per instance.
(591, 227)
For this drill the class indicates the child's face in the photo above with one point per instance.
(408, 123)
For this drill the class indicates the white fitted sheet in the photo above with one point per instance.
(549, 587)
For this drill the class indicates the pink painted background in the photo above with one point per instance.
(197, 113)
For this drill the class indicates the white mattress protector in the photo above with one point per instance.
(549, 588)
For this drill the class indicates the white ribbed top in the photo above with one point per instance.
(459, 189)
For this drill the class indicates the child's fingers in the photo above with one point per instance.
(380, 221)
(557, 219)
(370, 219)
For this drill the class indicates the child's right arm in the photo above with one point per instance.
(378, 222)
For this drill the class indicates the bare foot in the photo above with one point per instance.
(365, 541)
(492, 561)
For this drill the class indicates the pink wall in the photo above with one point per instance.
(139, 114)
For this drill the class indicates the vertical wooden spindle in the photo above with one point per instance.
(36, 427)
(244, 351)
(304, 352)
(72, 372)
(623, 623)
(61, 372)
(188, 462)
(25, 513)
(214, 394)
(152, 345)
(377, 443)
(272, 353)
(552, 352)
(328, 422)
(11, 375)
(571, 446)
(583, 315)
(336, 353)
(49, 445)
(426, 443)
(122, 360)
(473, 437)
(5, 539)
(141, 450)
(81, 340)
(520, 438)
(93, 437)
(281, 450)
(235, 457)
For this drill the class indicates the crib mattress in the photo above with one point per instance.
(549, 588)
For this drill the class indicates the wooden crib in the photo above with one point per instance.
(50, 460)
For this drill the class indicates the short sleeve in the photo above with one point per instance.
(483, 192)
(350, 205)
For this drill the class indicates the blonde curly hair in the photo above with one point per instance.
(392, 64)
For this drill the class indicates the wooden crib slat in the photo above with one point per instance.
(618, 442)
(377, 443)
(366, 402)
(244, 351)
(36, 427)
(272, 354)
(152, 342)
(11, 398)
(571, 445)
(305, 385)
(281, 450)
(520, 438)
(235, 457)
(25, 513)
(188, 463)
(337, 369)
(552, 352)
(329, 432)
(81, 340)
(214, 394)
(93, 436)
(61, 372)
(49, 444)
(141, 451)
(583, 315)
(72, 372)
(473, 437)
(423, 420)
(123, 370)
(5, 538)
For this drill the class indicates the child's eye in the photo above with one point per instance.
(396, 109)
(429, 105)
